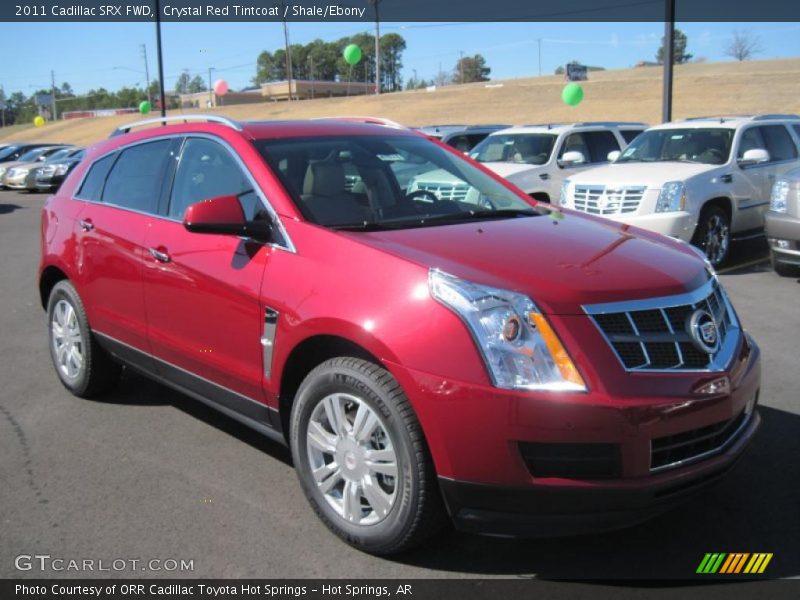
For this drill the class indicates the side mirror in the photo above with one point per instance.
(223, 215)
(613, 155)
(754, 157)
(573, 157)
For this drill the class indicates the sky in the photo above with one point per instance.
(91, 55)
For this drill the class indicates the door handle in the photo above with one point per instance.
(544, 176)
(159, 254)
(86, 224)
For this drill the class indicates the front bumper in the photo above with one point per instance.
(783, 235)
(16, 182)
(476, 436)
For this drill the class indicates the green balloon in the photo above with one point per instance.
(572, 94)
(144, 107)
(352, 54)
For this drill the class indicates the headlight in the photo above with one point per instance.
(672, 197)
(564, 199)
(780, 193)
(3, 171)
(520, 349)
(47, 171)
(60, 169)
(11, 172)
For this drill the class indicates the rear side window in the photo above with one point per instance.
(135, 180)
(779, 143)
(92, 185)
(796, 130)
(600, 144)
(629, 134)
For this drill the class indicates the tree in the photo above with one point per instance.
(679, 53)
(392, 46)
(182, 84)
(471, 68)
(197, 85)
(442, 78)
(743, 45)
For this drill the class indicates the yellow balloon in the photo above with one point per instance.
(38, 121)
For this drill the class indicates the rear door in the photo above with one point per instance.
(202, 291)
(121, 194)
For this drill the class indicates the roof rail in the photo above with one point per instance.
(175, 118)
(720, 118)
(610, 123)
(369, 120)
(776, 117)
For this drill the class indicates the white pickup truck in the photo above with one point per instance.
(700, 180)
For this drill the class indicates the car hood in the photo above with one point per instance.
(653, 175)
(561, 260)
(506, 169)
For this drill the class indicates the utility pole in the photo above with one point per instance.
(210, 88)
(311, 74)
(147, 74)
(160, 60)
(377, 47)
(539, 40)
(669, 57)
(288, 57)
(53, 114)
(461, 66)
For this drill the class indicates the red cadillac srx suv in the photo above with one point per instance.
(458, 350)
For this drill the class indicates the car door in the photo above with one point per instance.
(750, 183)
(121, 194)
(201, 291)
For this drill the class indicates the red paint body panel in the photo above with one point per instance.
(203, 311)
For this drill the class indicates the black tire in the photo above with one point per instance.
(418, 511)
(783, 269)
(713, 234)
(98, 373)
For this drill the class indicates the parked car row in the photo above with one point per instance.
(37, 167)
(706, 181)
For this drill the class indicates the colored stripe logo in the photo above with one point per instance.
(734, 563)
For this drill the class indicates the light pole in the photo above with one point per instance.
(146, 74)
(288, 56)
(210, 88)
(375, 3)
(160, 60)
(668, 57)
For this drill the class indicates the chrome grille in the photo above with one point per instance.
(689, 446)
(600, 200)
(444, 191)
(652, 334)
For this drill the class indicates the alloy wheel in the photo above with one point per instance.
(352, 459)
(67, 340)
(717, 239)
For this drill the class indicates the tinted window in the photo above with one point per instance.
(629, 134)
(600, 144)
(796, 130)
(530, 148)
(207, 170)
(92, 185)
(779, 143)
(135, 180)
(32, 155)
(710, 146)
(6, 153)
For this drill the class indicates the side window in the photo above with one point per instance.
(600, 144)
(92, 185)
(796, 130)
(779, 143)
(135, 179)
(460, 142)
(629, 134)
(207, 170)
(575, 142)
(750, 140)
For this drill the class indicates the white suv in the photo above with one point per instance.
(700, 180)
(537, 158)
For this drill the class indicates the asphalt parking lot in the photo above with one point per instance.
(148, 473)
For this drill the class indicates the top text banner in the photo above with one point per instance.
(396, 10)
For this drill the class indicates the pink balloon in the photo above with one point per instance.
(220, 87)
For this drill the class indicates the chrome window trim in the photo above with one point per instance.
(719, 361)
(289, 246)
(703, 455)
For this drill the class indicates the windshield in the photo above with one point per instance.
(32, 155)
(524, 148)
(710, 146)
(376, 182)
(60, 154)
(6, 152)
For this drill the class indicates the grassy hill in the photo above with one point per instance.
(628, 94)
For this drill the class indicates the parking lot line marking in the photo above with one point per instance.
(751, 263)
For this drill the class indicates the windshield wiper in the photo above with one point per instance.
(477, 215)
(366, 226)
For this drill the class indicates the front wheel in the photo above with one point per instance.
(361, 457)
(713, 235)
